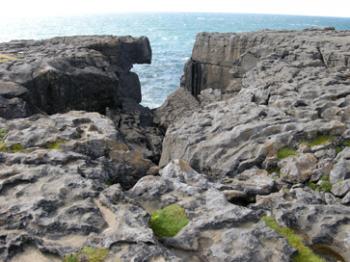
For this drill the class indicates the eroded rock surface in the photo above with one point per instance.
(56, 183)
(296, 92)
(259, 128)
(272, 122)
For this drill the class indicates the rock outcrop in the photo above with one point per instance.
(271, 115)
(255, 156)
(221, 60)
(70, 73)
(53, 172)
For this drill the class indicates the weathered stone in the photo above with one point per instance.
(341, 169)
(346, 199)
(252, 182)
(298, 169)
(176, 106)
(341, 188)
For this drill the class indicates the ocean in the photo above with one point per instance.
(172, 36)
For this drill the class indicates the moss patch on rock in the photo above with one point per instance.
(305, 254)
(286, 152)
(15, 148)
(55, 145)
(324, 185)
(167, 222)
(320, 140)
(88, 254)
(344, 144)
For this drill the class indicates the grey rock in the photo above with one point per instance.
(11, 90)
(252, 182)
(346, 199)
(341, 188)
(341, 169)
(298, 169)
(176, 106)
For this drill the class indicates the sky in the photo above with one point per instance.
(20, 8)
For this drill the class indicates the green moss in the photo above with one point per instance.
(71, 258)
(321, 140)
(88, 254)
(312, 185)
(167, 222)
(345, 143)
(323, 186)
(15, 148)
(338, 149)
(304, 254)
(286, 152)
(55, 145)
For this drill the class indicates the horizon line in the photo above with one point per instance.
(167, 12)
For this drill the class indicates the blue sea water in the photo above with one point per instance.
(172, 37)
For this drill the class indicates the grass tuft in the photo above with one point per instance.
(167, 222)
(323, 186)
(286, 152)
(88, 254)
(305, 254)
(7, 58)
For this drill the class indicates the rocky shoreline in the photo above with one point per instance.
(249, 160)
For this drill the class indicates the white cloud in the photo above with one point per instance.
(18, 8)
